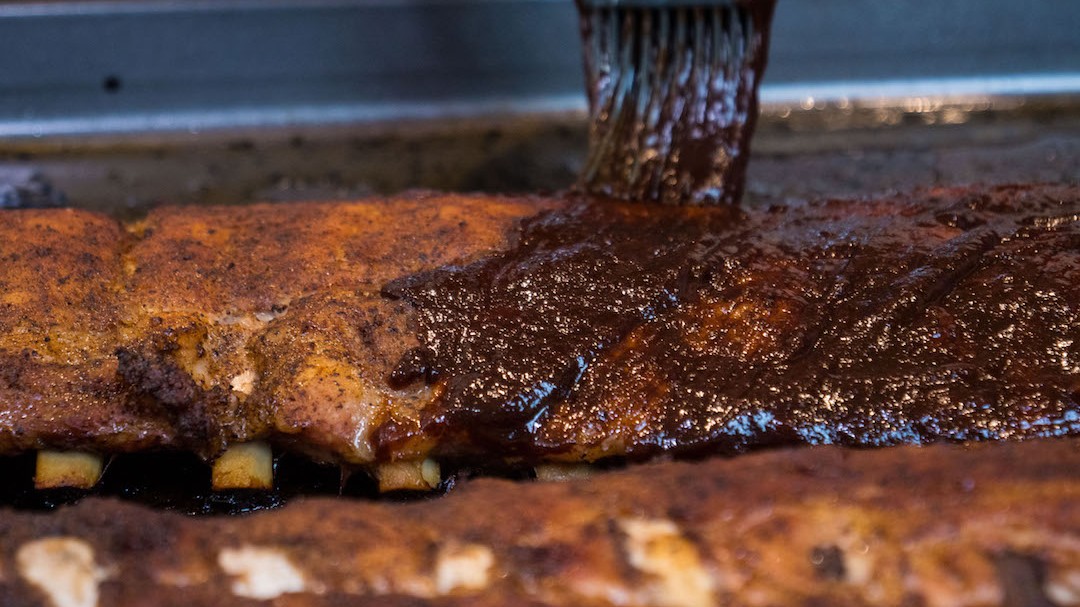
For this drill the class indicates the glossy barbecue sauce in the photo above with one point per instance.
(614, 329)
(514, 334)
(673, 97)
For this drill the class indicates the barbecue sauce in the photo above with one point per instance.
(615, 329)
(517, 332)
(673, 98)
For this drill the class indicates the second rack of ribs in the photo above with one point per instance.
(486, 329)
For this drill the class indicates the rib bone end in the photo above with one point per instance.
(244, 466)
(409, 476)
(563, 472)
(76, 469)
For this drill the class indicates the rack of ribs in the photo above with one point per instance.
(489, 330)
(990, 524)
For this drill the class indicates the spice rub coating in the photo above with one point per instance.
(161, 333)
(61, 287)
(994, 522)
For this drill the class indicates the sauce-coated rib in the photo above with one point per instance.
(616, 330)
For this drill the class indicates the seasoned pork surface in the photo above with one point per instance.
(120, 339)
(992, 524)
(61, 288)
(483, 329)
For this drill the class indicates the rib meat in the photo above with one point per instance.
(485, 329)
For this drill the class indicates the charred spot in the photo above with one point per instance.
(156, 377)
(913, 599)
(546, 561)
(828, 562)
(415, 365)
(1022, 577)
(159, 384)
(10, 375)
(42, 251)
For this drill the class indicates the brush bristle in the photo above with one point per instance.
(672, 97)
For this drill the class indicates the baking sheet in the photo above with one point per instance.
(800, 152)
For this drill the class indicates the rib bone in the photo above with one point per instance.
(244, 466)
(75, 469)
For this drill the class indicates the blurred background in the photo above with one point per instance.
(123, 104)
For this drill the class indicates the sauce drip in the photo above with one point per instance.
(615, 329)
(673, 98)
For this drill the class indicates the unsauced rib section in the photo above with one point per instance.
(932, 525)
(201, 326)
(482, 329)
(266, 320)
(60, 290)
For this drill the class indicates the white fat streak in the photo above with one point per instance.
(656, 548)
(243, 383)
(63, 569)
(261, 572)
(247, 320)
(465, 567)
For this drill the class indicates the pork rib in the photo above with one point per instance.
(995, 524)
(485, 329)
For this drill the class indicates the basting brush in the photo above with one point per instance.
(672, 89)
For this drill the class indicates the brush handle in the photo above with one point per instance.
(673, 97)
(664, 3)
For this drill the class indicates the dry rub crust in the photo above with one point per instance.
(988, 524)
(60, 292)
(279, 305)
(122, 340)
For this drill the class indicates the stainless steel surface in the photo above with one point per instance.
(836, 149)
(189, 65)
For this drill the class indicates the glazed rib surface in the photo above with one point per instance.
(994, 524)
(480, 328)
